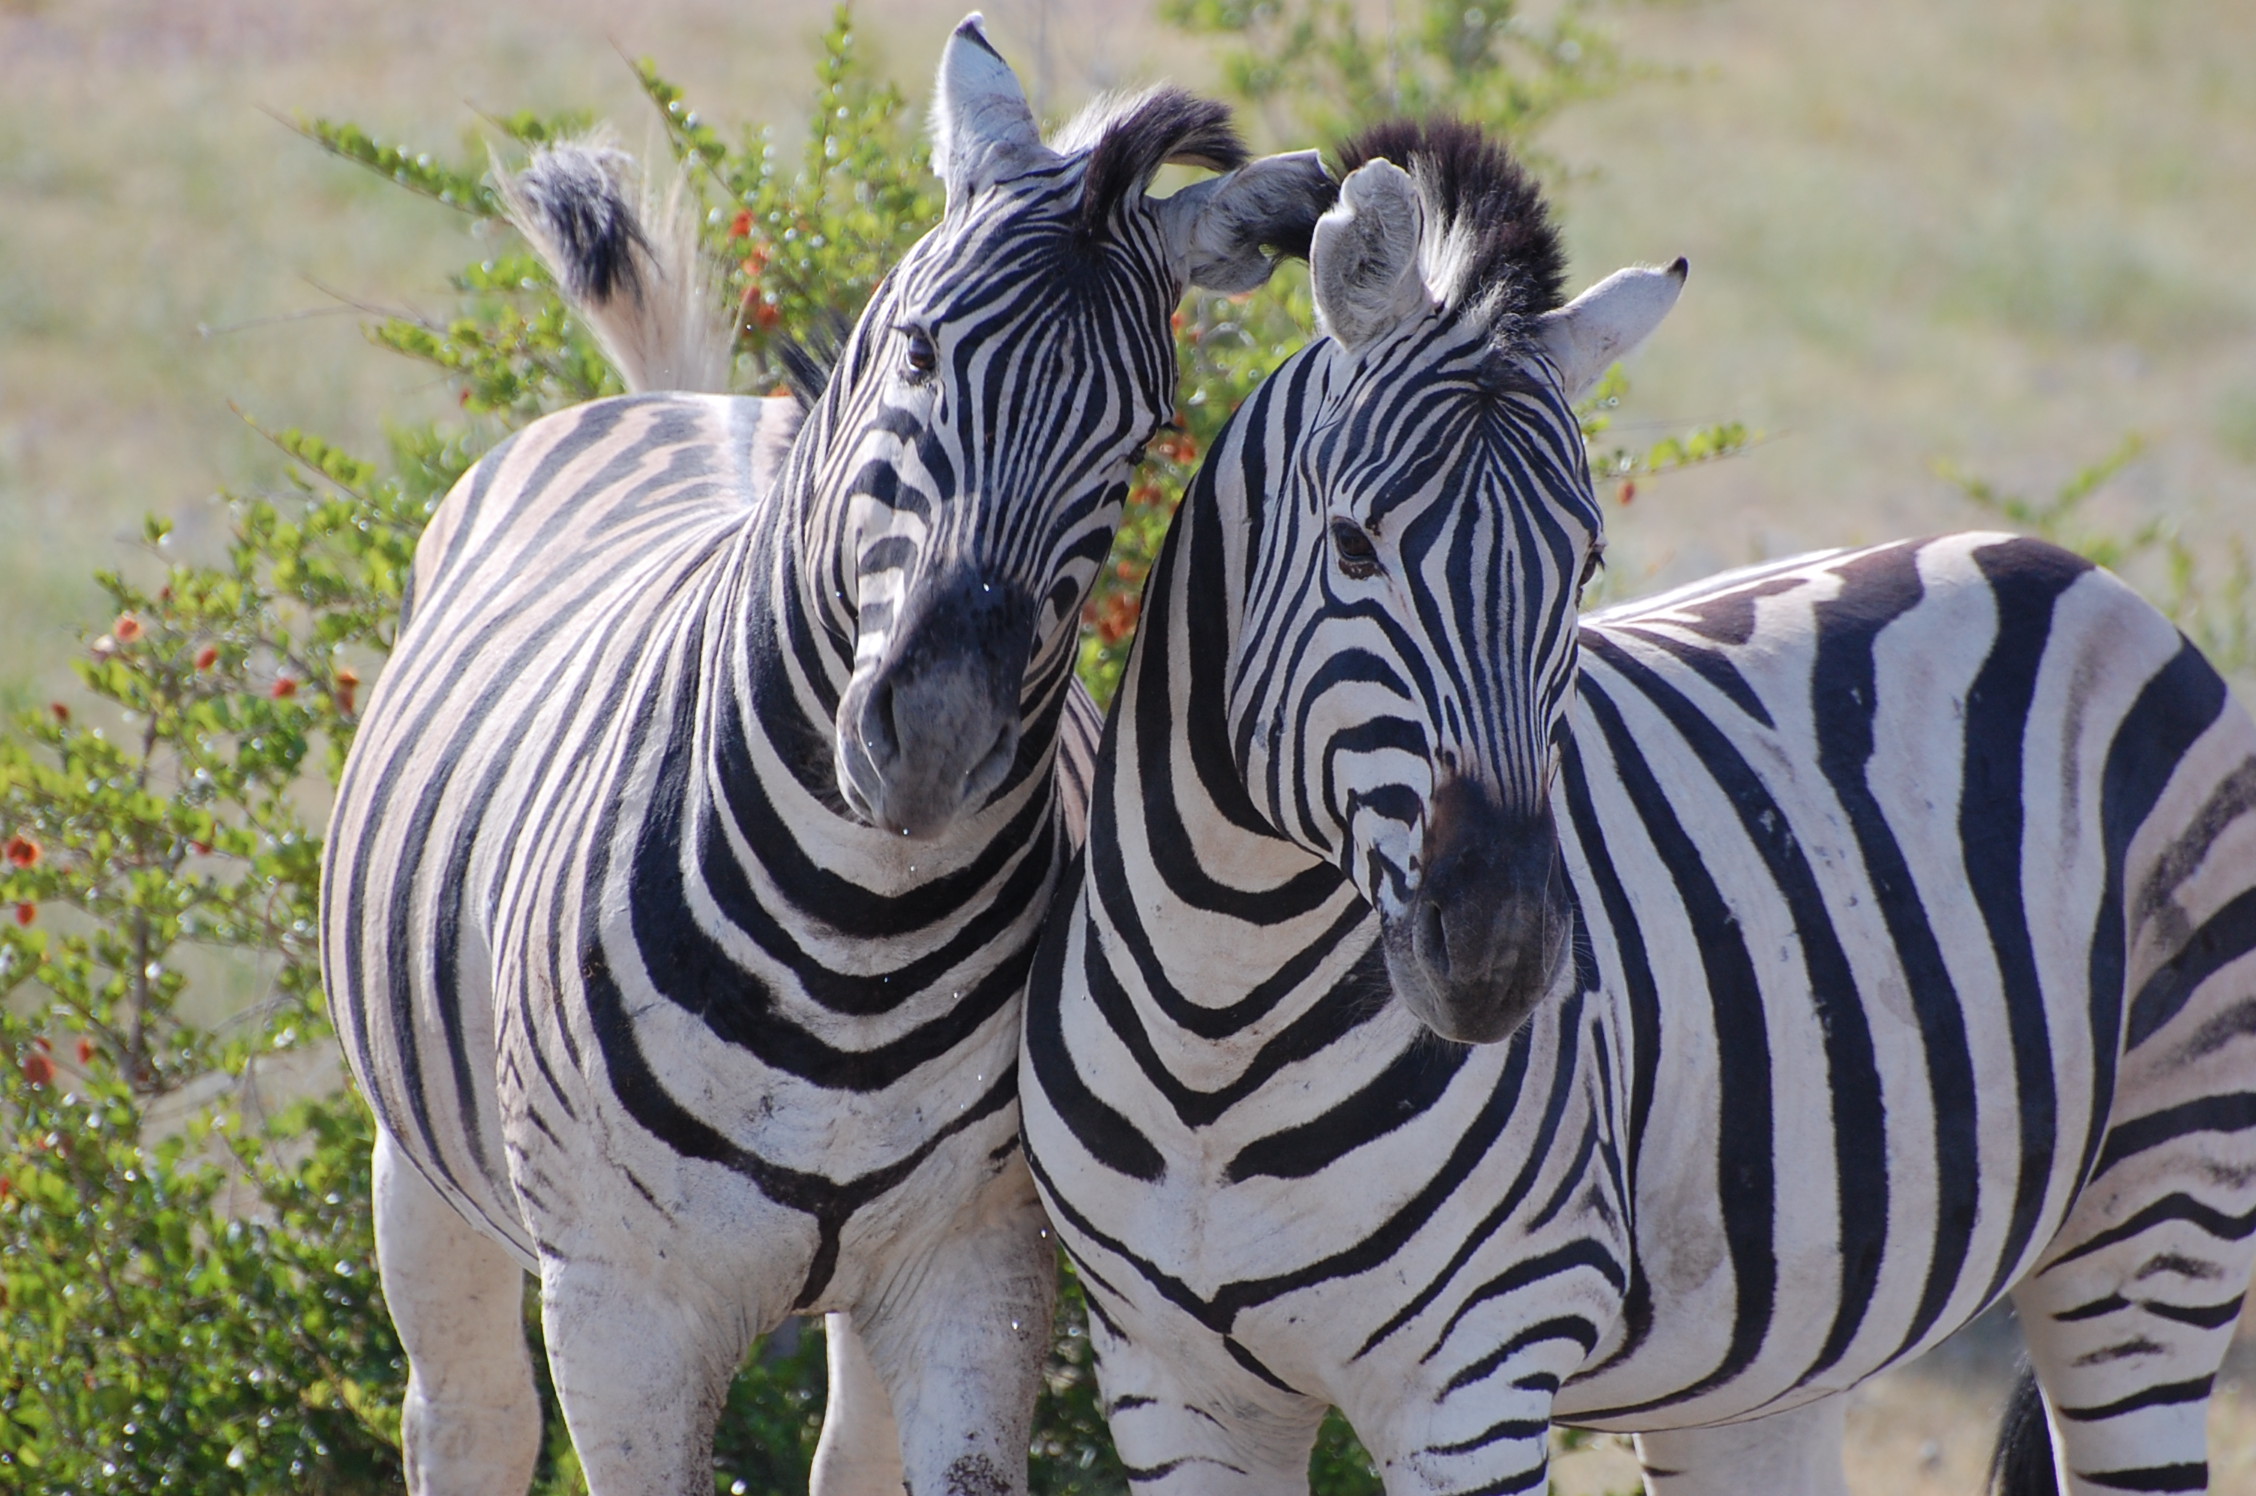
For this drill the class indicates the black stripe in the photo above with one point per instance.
(2026, 581)
(2172, 712)
(1746, 1185)
(2234, 1112)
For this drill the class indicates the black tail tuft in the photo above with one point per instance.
(2021, 1465)
(581, 201)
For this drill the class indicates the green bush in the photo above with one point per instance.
(188, 1300)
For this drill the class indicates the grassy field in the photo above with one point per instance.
(2003, 235)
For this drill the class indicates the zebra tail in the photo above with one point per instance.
(626, 253)
(2021, 1464)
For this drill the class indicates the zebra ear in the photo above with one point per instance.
(1607, 322)
(1364, 262)
(982, 129)
(1230, 231)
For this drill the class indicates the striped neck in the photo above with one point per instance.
(1169, 791)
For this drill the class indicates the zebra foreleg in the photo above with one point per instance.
(859, 1453)
(1228, 1435)
(1795, 1453)
(642, 1359)
(471, 1422)
(957, 1334)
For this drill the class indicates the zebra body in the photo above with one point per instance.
(687, 867)
(1910, 899)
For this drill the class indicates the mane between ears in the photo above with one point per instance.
(1129, 137)
(1488, 243)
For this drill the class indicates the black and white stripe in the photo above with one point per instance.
(688, 865)
(1875, 934)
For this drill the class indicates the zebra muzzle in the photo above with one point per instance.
(928, 735)
(1484, 936)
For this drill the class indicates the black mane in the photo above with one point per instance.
(1517, 266)
(1163, 125)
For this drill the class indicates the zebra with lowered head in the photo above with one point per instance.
(685, 873)
(1473, 1018)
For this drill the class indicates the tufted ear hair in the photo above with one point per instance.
(1607, 322)
(982, 128)
(1230, 231)
(1364, 262)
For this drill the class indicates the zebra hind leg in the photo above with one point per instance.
(1794, 1453)
(471, 1423)
(2131, 1311)
(2021, 1465)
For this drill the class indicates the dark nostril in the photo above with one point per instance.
(1433, 941)
(881, 738)
(999, 753)
(993, 767)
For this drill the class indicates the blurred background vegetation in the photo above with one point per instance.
(1952, 266)
(2003, 235)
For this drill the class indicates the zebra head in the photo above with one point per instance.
(1402, 685)
(980, 428)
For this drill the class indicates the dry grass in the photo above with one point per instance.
(1926, 1429)
(2004, 233)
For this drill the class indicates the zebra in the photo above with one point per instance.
(1471, 1019)
(685, 872)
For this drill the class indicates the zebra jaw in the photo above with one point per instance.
(1483, 937)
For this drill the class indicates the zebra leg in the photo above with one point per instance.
(1229, 1435)
(859, 1453)
(2129, 1319)
(642, 1359)
(958, 1335)
(1795, 1453)
(2131, 1308)
(471, 1422)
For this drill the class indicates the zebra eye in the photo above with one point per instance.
(1592, 564)
(1357, 557)
(922, 355)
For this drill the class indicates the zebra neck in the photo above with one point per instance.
(1173, 826)
(761, 752)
